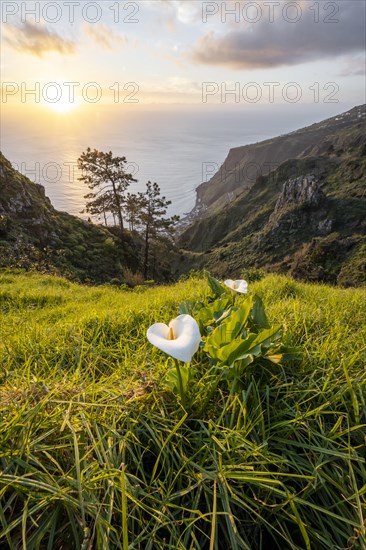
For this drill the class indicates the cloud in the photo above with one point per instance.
(266, 44)
(354, 66)
(187, 12)
(36, 39)
(104, 36)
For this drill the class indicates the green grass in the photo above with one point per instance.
(96, 453)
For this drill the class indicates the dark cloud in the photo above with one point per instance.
(267, 44)
(36, 39)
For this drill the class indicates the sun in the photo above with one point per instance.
(62, 106)
(58, 97)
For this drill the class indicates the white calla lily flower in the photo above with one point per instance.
(239, 285)
(180, 340)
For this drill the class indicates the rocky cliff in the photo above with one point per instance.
(301, 191)
(306, 217)
(244, 164)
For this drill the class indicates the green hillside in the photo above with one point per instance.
(34, 235)
(306, 218)
(242, 165)
(98, 452)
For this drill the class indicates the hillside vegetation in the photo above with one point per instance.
(34, 235)
(96, 452)
(294, 204)
(305, 218)
(243, 164)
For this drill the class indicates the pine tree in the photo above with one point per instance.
(132, 210)
(106, 177)
(152, 211)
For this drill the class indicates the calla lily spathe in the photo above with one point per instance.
(180, 340)
(239, 285)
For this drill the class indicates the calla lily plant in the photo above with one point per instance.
(239, 285)
(180, 339)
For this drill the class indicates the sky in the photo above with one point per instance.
(164, 52)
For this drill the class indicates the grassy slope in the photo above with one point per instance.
(81, 395)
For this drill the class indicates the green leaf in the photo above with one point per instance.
(226, 352)
(210, 314)
(205, 316)
(242, 349)
(186, 307)
(217, 288)
(231, 326)
(268, 336)
(171, 377)
(223, 316)
(238, 317)
(238, 349)
(258, 315)
(232, 372)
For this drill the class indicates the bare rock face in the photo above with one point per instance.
(325, 226)
(301, 191)
(299, 214)
(24, 202)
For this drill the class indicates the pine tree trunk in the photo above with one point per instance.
(146, 262)
(119, 210)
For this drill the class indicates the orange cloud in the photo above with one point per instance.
(36, 40)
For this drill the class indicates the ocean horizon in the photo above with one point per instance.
(179, 147)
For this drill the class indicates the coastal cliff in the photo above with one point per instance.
(304, 216)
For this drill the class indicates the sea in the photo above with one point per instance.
(177, 146)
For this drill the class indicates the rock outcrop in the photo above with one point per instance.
(301, 191)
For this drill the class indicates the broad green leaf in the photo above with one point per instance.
(217, 288)
(186, 307)
(245, 361)
(238, 349)
(258, 314)
(223, 316)
(268, 336)
(229, 329)
(219, 307)
(212, 351)
(234, 350)
(245, 347)
(205, 316)
(231, 326)
(171, 377)
(231, 372)
(209, 314)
